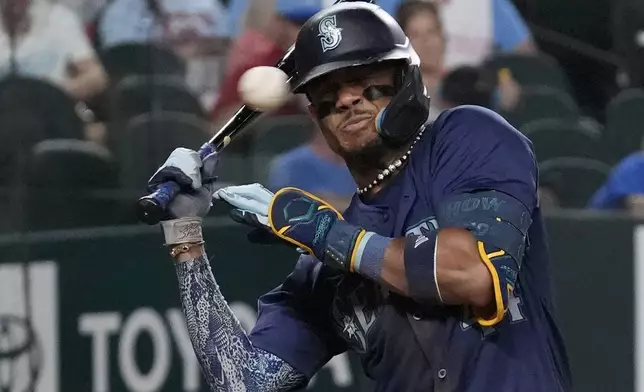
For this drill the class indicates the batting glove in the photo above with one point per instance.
(196, 177)
(297, 217)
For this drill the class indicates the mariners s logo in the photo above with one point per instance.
(356, 310)
(330, 35)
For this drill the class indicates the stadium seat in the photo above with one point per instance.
(542, 102)
(136, 95)
(625, 123)
(140, 59)
(139, 95)
(70, 183)
(532, 70)
(555, 138)
(276, 135)
(134, 59)
(628, 20)
(149, 139)
(36, 106)
(572, 180)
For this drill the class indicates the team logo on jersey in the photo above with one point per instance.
(330, 34)
(355, 311)
(422, 228)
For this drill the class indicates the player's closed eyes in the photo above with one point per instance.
(328, 106)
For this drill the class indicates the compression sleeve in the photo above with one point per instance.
(228, 359)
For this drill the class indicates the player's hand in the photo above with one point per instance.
(251, 204)
(196, 179)
(297, 217)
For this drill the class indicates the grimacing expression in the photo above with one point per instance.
(346, 103)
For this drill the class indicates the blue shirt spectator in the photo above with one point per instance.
(134, 21)
(236, 12)
(626, 180)
(307, 169)
(510, 30)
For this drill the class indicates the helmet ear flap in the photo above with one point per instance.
(400, 73)
(407, 112)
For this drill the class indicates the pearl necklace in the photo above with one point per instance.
(397, 164)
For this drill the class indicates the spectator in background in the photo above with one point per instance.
(253, 13)
(624, 189)
(469, 85)
(420, 21)
(245, 14)
(263, 45)
(475, 29)
(85, 9)
(316, 169)
(47, 41)
(191, 27)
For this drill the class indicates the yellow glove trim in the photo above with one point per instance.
(280, 232)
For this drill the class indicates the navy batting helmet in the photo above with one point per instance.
(359, 33)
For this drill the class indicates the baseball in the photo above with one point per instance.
(264, 88)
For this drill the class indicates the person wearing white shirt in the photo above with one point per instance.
(47, 41)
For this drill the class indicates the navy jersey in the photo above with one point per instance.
(319, 312)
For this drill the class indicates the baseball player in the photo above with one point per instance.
(437, 274)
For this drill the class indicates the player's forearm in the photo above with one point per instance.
(444, 268)
(227, 357)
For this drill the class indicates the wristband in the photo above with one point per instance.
(340, 243)
(369, 255)
(353, 249)
(420, 268)
(182, 230)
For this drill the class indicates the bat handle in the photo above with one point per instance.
(151, 209)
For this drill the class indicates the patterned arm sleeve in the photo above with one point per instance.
(228, 359)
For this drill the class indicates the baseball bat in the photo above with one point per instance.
(151, 209)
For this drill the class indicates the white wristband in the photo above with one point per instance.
(182, 230)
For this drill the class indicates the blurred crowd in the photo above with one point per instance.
(94, 94)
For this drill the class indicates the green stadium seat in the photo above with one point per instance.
(70, 183)
(573, 180)
(531, 70)
(136, 95)
(625, 123)
(555, 138)
(34, 105)
(124, 60)
(149, 139)
(542, 102)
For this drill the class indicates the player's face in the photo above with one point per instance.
(346, 104)
(426, 37)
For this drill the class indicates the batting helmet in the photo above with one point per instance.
(359, 33)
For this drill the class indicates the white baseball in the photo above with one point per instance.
(264, 88)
